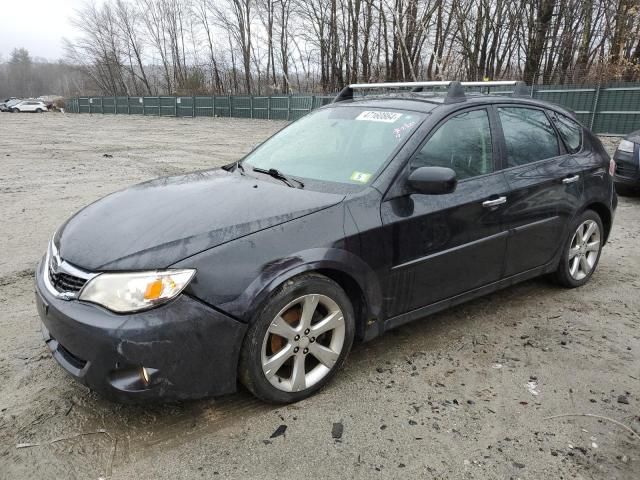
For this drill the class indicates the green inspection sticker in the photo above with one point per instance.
(360, 177)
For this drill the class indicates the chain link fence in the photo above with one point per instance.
(611, 109)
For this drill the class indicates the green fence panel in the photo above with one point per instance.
(241, 107)
(122, 105)
(83, 105)
(168, 106)
(279, 108)
(261, 106)
(135, 105)
(71, 105)
(151, 106)
(611, 109)
(222, 107)
(618, 110)
(204, 106)
(108, 105)
(299, 107)
(184, 107)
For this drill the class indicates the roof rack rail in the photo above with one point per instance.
(455, 89)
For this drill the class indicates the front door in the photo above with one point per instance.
(444, 245)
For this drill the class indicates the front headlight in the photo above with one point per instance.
(626, 146)
(130, 292)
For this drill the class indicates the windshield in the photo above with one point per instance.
(343, 144)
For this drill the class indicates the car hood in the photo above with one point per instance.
(155, 224)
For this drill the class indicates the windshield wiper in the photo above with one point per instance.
(275, 173)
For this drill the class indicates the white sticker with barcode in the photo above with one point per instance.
(379, 116)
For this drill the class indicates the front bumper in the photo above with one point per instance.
(627, 167)
(189, 349)
(627, 181)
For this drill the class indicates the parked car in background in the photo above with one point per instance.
(51, 100)
(8, 104)
(627, 158)
(362, 216)
(30, 106)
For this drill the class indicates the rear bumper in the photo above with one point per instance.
(189, 350)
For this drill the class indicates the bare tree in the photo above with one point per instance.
(170, 46)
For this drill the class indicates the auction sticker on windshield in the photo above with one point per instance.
(379, 116)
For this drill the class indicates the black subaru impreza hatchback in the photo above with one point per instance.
(364, 215)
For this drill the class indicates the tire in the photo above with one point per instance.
(15, 110)
(579, 257)
(39, 110)
(270, 362)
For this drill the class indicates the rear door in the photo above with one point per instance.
(444, 245)
(545, 187)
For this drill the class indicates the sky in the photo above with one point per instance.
(37, 25)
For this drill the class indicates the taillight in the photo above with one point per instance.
(612, 167)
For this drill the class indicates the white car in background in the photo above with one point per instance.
(30, 106)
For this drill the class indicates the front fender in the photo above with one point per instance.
(252, 300)
(239, 276)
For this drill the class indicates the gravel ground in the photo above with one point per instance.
(466, 393)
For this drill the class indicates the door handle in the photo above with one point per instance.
(569, 180)
(493, 203)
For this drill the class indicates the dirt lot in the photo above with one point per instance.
(464, 394)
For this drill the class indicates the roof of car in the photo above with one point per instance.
(448, 95)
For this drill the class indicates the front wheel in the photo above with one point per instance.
(299, 340)
(39, 110)
(581, 250)
(15, 110)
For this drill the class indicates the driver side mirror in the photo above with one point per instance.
(432, 180)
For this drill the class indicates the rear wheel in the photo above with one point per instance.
(581, 250)
(299, 340)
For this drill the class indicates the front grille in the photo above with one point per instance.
(63, 282)
(625, 169)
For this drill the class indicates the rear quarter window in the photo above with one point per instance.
(570, 131)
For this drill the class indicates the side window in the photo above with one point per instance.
(463, 144)
(528, 134)
(570, 132)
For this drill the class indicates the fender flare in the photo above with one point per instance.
(274, 274)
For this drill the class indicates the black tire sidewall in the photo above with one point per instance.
(563, 275)
(250, 366)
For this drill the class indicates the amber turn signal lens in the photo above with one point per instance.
(154, 290)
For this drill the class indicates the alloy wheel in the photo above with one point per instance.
(584, 249)
(303, 343)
